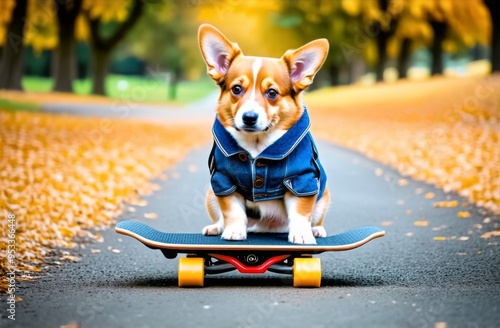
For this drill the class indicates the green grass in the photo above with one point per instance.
(139, 89)
(18, 105)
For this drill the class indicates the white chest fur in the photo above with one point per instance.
(255, 144)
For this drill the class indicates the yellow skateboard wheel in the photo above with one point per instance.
(307, 272)
(191, 272)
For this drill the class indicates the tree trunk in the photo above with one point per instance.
(439, 30)
(382, 55)
(334, 74)
(383, 36)
(357, 69)
(495, 46)
(100, 63)
(11, 64)
(64, 60)
(494, 7)
(64, 63)
(404, 58)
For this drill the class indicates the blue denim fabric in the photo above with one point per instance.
(291, 163)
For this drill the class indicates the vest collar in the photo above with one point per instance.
(277, 151)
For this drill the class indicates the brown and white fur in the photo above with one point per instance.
(301, 217)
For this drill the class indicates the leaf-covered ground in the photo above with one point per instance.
(61, 176)
(443, 131)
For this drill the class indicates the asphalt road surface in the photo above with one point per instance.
(409, 278)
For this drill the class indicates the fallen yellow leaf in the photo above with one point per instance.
(490, 234)
(451, 203)
(463, 214)
(70, 325)
(403, 182)
(70, 258)
(150, 215)
(421, 223)
(429, 195)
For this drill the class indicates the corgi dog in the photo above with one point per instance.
(265, 172)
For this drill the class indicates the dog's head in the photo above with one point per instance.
(259, 94)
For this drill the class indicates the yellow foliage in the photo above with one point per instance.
(107, 10)
(41, 25)
(370, 53)
(3, 35)
(393, 46)
(82, 30)
(6, 8)
(227, 15)
(351, 7)
(444, 131)
(62, 175)
(450, 46)
(468, 21)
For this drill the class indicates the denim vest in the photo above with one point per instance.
(290, 163)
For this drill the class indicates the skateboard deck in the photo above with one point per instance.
(259, 253)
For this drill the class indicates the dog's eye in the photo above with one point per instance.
(237, 90)
(272, 94)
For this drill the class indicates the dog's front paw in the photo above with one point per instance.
(319, 232)
(212, 230)
(235, 232)
(301, 237)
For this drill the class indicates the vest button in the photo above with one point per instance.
(259, 182)
(259, 163)
(243, 157)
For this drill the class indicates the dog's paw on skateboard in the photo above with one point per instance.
(235, 232)
(212, 230)
(301, 237)
(319, 232)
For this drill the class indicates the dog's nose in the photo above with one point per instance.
(250, 118)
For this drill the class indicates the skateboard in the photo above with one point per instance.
(259, 253)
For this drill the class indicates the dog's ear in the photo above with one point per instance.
(218, 52)
(305, 62)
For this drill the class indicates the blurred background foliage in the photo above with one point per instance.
(103, 46)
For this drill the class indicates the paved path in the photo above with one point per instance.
(406, 279)
(126, 109)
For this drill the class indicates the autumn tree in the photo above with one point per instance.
(335, 20)
(414, 31)
(455, 24)
(355, 28)
(439, 25)
(165, 37)
(44, 25)
(385, 22)
(12, 19)
(109, 22)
